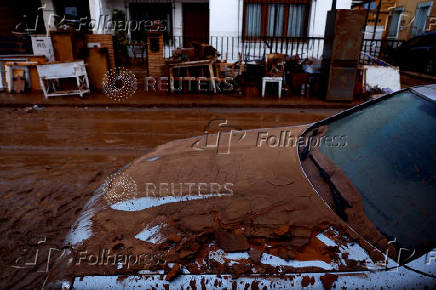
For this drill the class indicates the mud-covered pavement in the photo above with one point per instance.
(52, 160)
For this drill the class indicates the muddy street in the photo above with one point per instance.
(52, 160)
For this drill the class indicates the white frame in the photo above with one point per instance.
(53, 72)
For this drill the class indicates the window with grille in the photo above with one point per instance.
(275, 18)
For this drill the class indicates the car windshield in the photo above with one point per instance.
(390, 159)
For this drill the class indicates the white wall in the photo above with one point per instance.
(178, 19)
(318, 14)
(225, 17)
(96, 12)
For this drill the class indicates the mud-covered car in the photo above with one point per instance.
(417, 54)
(345, 202)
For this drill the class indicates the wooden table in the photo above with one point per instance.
(189, 64)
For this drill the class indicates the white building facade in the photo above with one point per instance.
(249, 27)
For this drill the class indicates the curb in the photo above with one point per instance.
(187, 106)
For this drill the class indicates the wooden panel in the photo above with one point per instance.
(155, 58)
(348, 23)
(97, 61)
(105, 41)
(63, 46)
(34, 76)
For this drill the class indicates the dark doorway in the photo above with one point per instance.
(17, 23)
(151, 13)
(195, 23)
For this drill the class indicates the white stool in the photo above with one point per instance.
(278, 80)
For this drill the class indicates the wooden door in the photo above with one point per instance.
(195, 23)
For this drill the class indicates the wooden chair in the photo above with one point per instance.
(274, 71)
(225, 69)
(275, 65)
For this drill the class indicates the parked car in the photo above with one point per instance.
(347, 201)
(417, 54)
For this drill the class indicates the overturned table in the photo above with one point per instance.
(189, 64)
(50, 74)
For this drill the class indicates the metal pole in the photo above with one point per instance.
(375, 26)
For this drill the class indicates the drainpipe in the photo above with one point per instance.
(333, 5)
(239, 19)
(313, 17)
(48, 14)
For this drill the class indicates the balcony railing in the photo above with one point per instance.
(230, 47)
(255, 49)
(377, 50)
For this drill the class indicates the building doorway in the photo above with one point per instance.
(195, 23)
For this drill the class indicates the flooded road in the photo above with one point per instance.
(53, 159)
(130, 129)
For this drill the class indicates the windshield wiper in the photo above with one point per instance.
(306, 149)
(341, 204)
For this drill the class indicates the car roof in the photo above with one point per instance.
(428, 33)
(425, 34)
(428, 91)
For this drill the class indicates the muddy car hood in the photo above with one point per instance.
(265, 218)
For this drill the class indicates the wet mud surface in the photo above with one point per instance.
(271, 221)
(54, 159)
